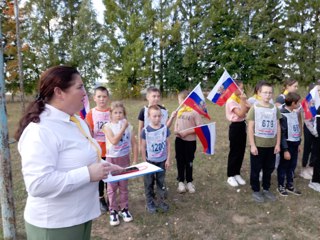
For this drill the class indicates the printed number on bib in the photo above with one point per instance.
(157, 147)
(267, 123)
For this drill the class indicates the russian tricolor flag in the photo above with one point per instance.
(196, 101)
(86, 107)
(223, 89)
(311, 103)
(207, 135)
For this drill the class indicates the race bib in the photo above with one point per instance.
(265, 122)
(293, 126)
(157, 144)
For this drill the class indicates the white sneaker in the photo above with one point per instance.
(126, 215)
(114, 218)
(315, 186)
(310, 171)
(181, 188)
(232, 182)
(191, 187)
(240, 180)
(305, 174)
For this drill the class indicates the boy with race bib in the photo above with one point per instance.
(96, 118)
(290, 144)
(153, 97)
(155, 149)
(264, 138)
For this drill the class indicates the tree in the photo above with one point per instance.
(85, 47)
(126, 64)
(19, 54)
(302, 46)
(64, 32)
(174, 71)
(10, 54)
(193, 16)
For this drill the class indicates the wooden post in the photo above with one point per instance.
(6, 192)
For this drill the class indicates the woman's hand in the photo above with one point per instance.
(99, 171)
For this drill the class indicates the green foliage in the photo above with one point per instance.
(302, 29)
(63, 32)
(172, 44)
(128, 57)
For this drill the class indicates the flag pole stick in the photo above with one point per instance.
(197, 126)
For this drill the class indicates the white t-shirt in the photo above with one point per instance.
(124, 145)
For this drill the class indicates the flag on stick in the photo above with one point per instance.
(207, 135)
(196, 101)
(223, 89)
(311, 103)
(86, 107)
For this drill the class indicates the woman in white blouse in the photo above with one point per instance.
(60, 161)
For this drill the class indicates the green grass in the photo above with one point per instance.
(215, 211)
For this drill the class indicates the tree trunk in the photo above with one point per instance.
(16, 13)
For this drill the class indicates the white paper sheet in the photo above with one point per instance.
(144, 168)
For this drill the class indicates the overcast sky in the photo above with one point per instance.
(97, 4)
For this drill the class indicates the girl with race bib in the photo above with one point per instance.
(119, 142)
(155, 149)
(264, 138)
(290, 145)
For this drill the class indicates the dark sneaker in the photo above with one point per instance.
(151, 207)
(258, 197)
(293, 191)
(282, 191)
(104, 206)
(126, 215)
(163, 206)
(114, 218)
(269, 195)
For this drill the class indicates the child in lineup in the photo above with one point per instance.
(237, 107)
(153, 98)
(264, 137)
(315, 182)
(96, 117)
(185, 143)
(255, 97)
(310, 134)
(119, 142)
(155, 149)
(290, 85)
(290, 144)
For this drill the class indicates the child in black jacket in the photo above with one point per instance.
(290, 144)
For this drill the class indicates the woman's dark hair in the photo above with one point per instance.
(58, 76)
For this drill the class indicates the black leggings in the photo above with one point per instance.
(184, 156)
(237, 139)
